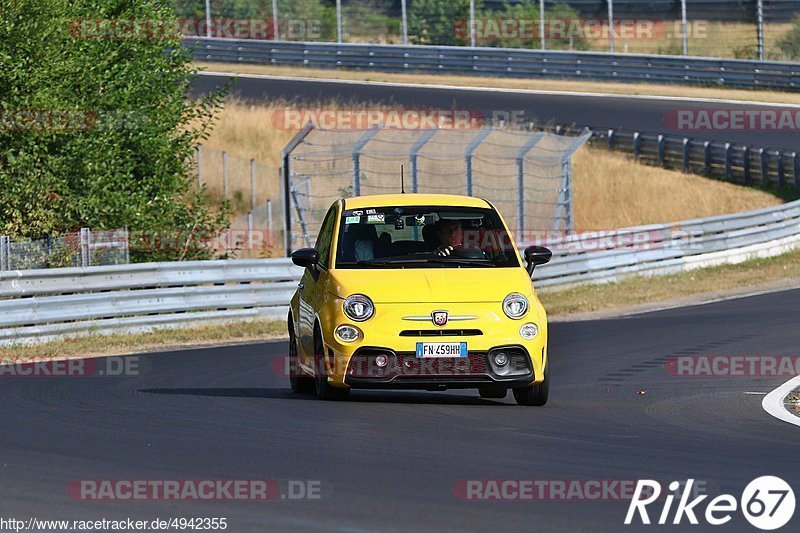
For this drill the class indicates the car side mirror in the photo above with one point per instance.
(306, 258)
(535, 256)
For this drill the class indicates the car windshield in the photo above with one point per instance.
(423, 237)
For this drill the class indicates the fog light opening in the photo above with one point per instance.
(500, 359)
(528, 331)
(346, 333)
(381, 361)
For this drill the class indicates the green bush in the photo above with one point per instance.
(95, 129)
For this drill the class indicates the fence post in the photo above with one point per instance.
(269, 223)
(612, 136)
(764, 166)
(781, 172)
(85, 243)
(5, 253)
(542, 44)
(276, 35)
(199, 165)
(727, 161)
(707, 157)
(253, 184)
(224, 175)
(760, 29)
(661, 152)
(637, 144)
(746, 164)
(686, 148)
(250, 231)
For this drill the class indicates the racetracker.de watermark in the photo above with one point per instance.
(135, 29)
(112, 366)
(732, 366)
(551, 489)
(733, 119)
(392, 118)
(193, 489)
(567, 29)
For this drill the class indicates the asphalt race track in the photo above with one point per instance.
(389, 460)
(598, 112)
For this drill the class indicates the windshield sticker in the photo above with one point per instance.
(352, 220)
(371, 211)
(375, 219)
(357, 213)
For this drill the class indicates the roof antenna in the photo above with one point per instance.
(402, 179)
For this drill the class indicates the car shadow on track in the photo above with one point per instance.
(434, 398)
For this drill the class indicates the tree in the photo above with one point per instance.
(96, 129)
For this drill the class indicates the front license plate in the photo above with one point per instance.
(441, 349)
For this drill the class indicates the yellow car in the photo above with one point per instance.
(418, 291)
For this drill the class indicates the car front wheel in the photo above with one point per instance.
(536, 395)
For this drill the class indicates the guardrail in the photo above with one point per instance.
(505, 62)
(738, 163)
(37, 305)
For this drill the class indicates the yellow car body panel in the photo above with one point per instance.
(404, 297)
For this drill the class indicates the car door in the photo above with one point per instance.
(313, 284)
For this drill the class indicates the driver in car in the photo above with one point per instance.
(450, 234)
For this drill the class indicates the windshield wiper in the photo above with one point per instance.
(460, 261)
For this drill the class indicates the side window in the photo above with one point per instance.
(325, 237)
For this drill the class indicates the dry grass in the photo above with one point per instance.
(160, 340)
(611, 190)
(713, 282)
(560, 86)
(706, 38)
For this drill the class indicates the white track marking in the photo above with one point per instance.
(773, 402)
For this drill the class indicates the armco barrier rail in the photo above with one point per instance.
(739, 163)
(504, 62)
(38, 305)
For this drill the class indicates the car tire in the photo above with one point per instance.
(324, 389)
(300, 383)
(492, 391)
(537, 394)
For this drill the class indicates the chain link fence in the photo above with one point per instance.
(744, 29)
(80, 249)
(252, 189)
(525, 174)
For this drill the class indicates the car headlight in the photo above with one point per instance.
(358, 307)
(515, 305)
(528, 331)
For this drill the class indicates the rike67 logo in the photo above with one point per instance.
(767, 503)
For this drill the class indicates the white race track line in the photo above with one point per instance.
(501, 90)
(773, 402)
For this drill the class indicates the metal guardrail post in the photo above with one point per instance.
(781, 170)
(760, 28)
(764, 155)
(727, 161)
(686, 149)
(476, 142)
(612, 136)
(796, 169)
(637, 144)
(661, 150)
(746, 164)
(707, 157)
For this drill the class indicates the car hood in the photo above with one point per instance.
(431, 285)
